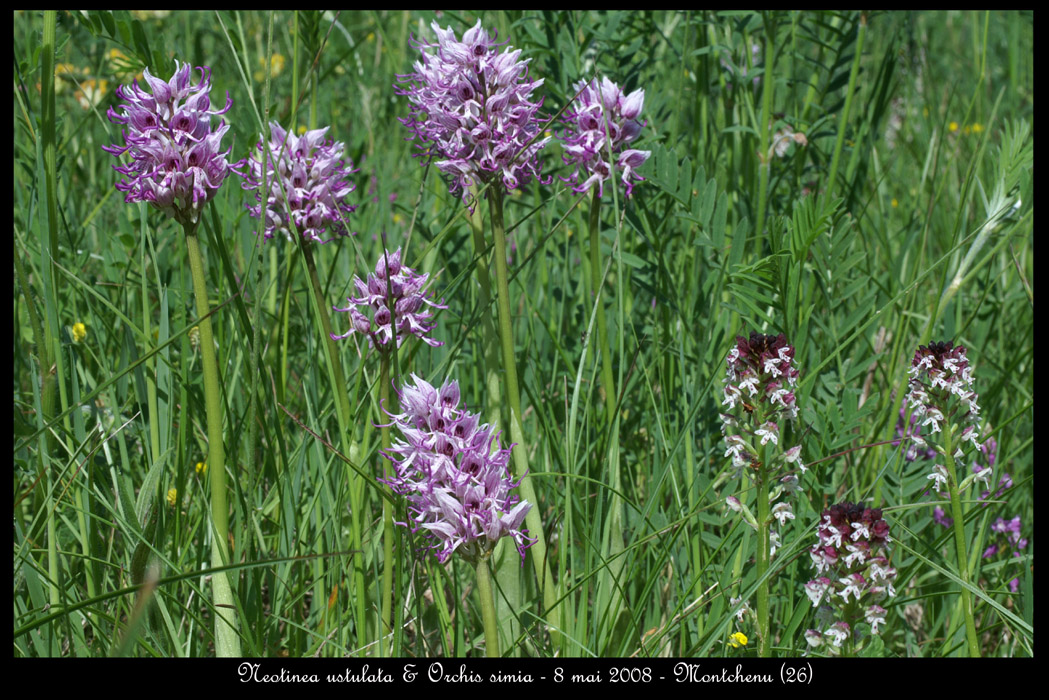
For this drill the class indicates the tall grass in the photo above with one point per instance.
(903, 216)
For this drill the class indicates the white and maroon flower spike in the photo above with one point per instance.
(307, 180)
(397, 297)
(940, 388)
(852, 566)
(760, 373)
(455, 474)
(472, 110)
(601, 120)
(176, 162)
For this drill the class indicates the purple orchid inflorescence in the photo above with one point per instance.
(394, 286)
(307, 180)
(454, 473)
(472, 110)
(176, 162)
(853, 574)
(602, 120)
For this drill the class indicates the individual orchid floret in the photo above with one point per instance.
(455, 475)
(396, 297)
(177, 164)
(473, 113)
(307, 184)
(910, 431)
(600, 124)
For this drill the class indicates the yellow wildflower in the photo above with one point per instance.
(79, 332)
(202, 468)
(977, 127)
(172, 497)
(276, 66)
(91, 92)
(737, 639)
(952, 127)
(895, 202)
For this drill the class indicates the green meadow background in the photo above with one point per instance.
(905, 217)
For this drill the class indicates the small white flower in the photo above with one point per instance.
(838, 633)
(743, 609)
(855, 555)
(854, 584)
(782, 512)
(769, 432)
(875, 615)
(938, 477)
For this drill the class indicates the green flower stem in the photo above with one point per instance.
(388, 533)
(596, 285)
(342, 414)
(227, 641)
(533, 520)
(51, 369)
(491, 336)
(484, 590)
(959, 544)
(764, 545)
(505, 562)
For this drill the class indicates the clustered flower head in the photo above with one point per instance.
(758, 391)
(397, 297)
(176, 162)
(472, 110)
(307, 181)
(941, 385)
(853, 574)
(602, 120)
(454, 473)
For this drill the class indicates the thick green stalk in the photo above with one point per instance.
(388, 534)
(342, 414)
(533, 520)
(505, 561)
(764, 516)
(959, 544)
(227, 641)
(596, 285)
(50, 371)
(491, 339)
(484, 590)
